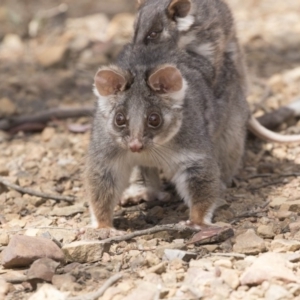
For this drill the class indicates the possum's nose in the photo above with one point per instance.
(135, 146)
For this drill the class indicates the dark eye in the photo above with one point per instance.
(152, 35)
(154, 120)
(120, 120)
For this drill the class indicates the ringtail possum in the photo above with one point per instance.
(157, 112)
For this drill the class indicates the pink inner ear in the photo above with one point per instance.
(166, 80)
(179, 8)
(108, 82)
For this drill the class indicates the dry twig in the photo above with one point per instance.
(101, 291)
(35, 193)
(155, 229)
(46, 116)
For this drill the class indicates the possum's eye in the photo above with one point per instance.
(153, 35)
(154, 120)
(120, 120)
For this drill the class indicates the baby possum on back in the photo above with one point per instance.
(202, 28)
(205, 30)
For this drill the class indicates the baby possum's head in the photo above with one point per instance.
(143, 110)
(161, 20)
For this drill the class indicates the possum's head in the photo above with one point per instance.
(160, 21)
(143, 111)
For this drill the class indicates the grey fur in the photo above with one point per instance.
(197, 158)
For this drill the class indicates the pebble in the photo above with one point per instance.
(48, 291)
(266, 231)
(145, 291)
(85, 251)
(42, 269)
(226, 263)
(281, 245)
(293, 206)
(277, 292)
(23, 250)
(249, 243)
(171, 254)
(266, 267)
(51, 55)
(67, 210)
(230, 277)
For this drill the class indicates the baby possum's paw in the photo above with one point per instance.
(137, 193)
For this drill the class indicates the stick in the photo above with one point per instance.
(101, 290)
(46, 116)
(35, 193)
(155, 229)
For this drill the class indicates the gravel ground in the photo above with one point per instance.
(52, 64)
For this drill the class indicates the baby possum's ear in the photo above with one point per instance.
(179, 8)
(167, 80)
(111, 80)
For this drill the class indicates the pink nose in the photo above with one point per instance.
(135, 146)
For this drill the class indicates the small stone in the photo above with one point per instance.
(277, 292)
(267, 267)
(85, 251)
(153, 278)
(151, 259)
(210, 248)
(4, 288)
(294, 227)
(281, 245)
(51, 55)
(47, 291)
(266, 231)
(171, 254)
(276, 202)
(7, 108)
(158, 269)
(98, 273)
(67, 210)
(23, 250)
(169, 279)
(283, 214)
(42, 269)
(226, 263)
(47, 134)
(230, 277)
(145, 291)
(249, 243)
(4, 171)
(293, 206)
(4, 239)
(64, 282)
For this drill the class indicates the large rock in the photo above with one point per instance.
(85, 251)
(249, 243)
(267, 267)
(23, 250)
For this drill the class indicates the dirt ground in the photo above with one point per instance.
(48, 59)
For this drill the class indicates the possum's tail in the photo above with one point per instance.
(260, 131)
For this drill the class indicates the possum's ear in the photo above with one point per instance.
(165, 79)
(179, 8)
(110, 81)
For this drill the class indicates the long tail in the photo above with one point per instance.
(257, 129)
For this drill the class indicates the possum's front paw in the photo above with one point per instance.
(137, 193)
